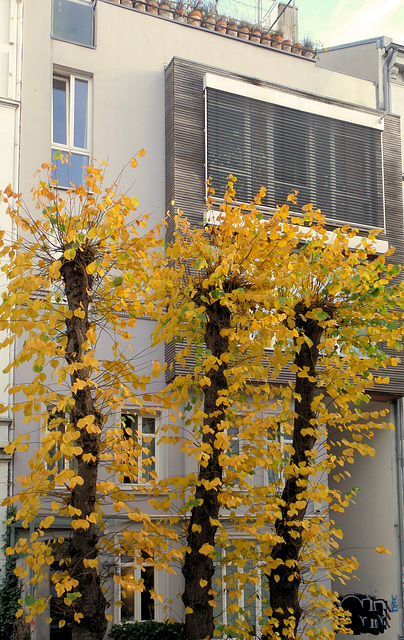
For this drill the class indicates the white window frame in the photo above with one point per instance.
(283, 440)
(69, 147)
(127, 482)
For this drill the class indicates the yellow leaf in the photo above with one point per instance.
(203, 582)
(188, 610)
(197, 528)
(381, 549)
(93, 564)
(206, 549)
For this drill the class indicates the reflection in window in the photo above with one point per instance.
(138, 606)
(73, 21)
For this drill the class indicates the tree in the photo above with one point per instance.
(342, 309)
(250, 298)
(71, 272)
(211, 292)
(244, 301)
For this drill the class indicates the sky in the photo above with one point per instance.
(335, 22)
(332, 22)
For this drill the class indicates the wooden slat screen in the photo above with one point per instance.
(336, 165)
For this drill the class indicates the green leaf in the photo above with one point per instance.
(192, 503)
(37, 368)
(56, 155)
(117, 281)
(201, 262)
(29, 600)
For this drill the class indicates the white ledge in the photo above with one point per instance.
(293, 101)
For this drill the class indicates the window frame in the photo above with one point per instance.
(127, 481)
(70, 94)
(63, 463)
(222, 618)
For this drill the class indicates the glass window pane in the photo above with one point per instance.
(217, 585)
(250, 598)
(146, 601)
(68, 174)
(151, 452)
(129, 423)
(72, 21)
(80, 113)
(148, 425)
(59, 110)
(128, 601)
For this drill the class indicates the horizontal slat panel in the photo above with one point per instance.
(336, 165)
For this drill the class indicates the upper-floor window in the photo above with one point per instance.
(59, 459)
(73, 21)
(70, 126)
(331, 154)
(141, 430)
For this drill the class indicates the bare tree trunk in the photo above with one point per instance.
(83, 542)
(284, 592)
(201, 530)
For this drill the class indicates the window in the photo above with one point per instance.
(73, 21)
(70, 127)
(275, 475)
(58, 609)
(331, 154)
(57, 425)
(140, 430)
(138, 606)
(254, 597)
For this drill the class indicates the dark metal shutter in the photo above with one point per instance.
(336, 165)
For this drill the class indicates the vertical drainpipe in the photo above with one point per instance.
(388, 63)
(399, 469)
(391, 55)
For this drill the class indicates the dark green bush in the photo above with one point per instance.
(10, 589)
(148, 630)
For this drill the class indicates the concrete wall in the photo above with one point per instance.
(372, 520)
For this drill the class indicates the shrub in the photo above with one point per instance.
(148, 630)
